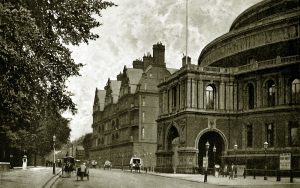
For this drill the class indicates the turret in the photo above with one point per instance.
(184, 61)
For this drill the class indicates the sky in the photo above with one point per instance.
(129, 31)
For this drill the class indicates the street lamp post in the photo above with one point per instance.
(265, 147)
(54, 139)
(11, 161)
(206, 165)
(122, 162)
(214, 150)
(151, 170)
(235, 171)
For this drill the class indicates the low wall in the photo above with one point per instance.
(4, 166)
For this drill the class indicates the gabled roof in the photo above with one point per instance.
(99, 99)
(172, 70)
(134, 76)
(115, 88)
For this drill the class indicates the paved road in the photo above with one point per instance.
(120, 179)
(33, 177)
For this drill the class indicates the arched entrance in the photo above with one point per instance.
(214, 139)
(172, 145)
(172, 134)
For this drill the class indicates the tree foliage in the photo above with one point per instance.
(35, 62)
(87, 143)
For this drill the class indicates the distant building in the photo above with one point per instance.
(79, 153)
(245, 91)
(125, 112)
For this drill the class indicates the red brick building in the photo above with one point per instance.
(125, 112)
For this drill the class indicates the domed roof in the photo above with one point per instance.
(251, 33)
(263, 10)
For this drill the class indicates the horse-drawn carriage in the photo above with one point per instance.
(83, 171)
(135, 164)
(107, 164)
(68, 165)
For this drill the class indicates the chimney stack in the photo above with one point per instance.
(148, 60)
(159, 55)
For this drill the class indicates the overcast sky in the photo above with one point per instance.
(129, 31)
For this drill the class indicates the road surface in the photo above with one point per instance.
(125, 179)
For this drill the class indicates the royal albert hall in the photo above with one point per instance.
(241, 104)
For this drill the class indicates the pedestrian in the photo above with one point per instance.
(225, 171)
(231, 171)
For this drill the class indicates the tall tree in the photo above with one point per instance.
(87, 144)
(35, 62)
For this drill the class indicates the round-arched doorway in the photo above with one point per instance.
(172, 134)
(172, 145)
(215, 140)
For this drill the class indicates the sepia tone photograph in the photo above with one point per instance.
(149, 93)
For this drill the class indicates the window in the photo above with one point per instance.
(143, 133)
(270, 134)
(174, 97)
(143, 101)
(249, 135)
(113, 125)
(271, 93)
(294, 133)
(250, 96)
(210, 97)
(296, 91)
(143, 117)
(117, 124)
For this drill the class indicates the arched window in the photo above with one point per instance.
(210, 97)
(295, 91)
(271, 93)
(250, 96)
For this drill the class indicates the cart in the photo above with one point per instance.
(82, 172)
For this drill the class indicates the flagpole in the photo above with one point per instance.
(186, 32)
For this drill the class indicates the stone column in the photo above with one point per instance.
(281, 90)
(170, 100)
(194, 94)
(183, 91)
(259, 96)
(234, 94)
(222, 95)
(188, 93)
(200, 93)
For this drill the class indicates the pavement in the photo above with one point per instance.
(225, 181)
(32, 177)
